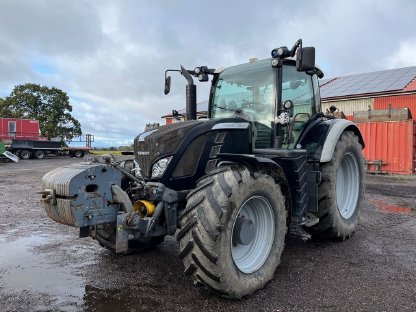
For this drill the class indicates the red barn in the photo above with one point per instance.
(371, 91)
(14, 128)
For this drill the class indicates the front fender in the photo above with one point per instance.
(249, 160)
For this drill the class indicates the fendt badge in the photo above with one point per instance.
(143, 153)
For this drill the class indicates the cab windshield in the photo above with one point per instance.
(245, 91)
(249, 91)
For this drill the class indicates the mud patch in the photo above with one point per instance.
(388, 207)
(379, 259)
(97, 299)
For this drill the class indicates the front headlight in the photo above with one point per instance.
(160, 166)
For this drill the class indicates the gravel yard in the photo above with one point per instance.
(44, 266)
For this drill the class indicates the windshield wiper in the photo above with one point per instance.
(237, 111)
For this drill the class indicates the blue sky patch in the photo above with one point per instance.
(43, 67)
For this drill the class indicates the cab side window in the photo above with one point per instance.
(297, 87)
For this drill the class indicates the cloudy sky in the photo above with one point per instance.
(110, 56)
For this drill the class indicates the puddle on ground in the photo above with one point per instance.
(390, 207)
(23, 270)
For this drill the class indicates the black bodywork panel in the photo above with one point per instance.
(199, 142)
(199, 146)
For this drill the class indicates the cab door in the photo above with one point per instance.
(297, 87)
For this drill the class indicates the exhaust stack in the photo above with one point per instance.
(190, 95)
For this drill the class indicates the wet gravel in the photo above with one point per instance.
(44, 266)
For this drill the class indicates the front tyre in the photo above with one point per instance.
(232, 231)
(340, 193)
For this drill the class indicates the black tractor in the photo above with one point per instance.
(230, 185)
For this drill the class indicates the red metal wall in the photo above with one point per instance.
(25, 128)
(398, 101)
(393, 142)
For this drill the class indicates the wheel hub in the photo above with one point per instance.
(253, 234)
(244, 230)
(347, 185)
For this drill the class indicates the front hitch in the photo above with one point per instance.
(88, 195)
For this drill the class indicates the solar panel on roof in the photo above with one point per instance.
(380, 81)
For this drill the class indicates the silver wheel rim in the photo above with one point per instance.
(249, 258)
(347, 187)
(24, 155)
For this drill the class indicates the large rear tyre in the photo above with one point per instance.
(232, 231)
(340, 193)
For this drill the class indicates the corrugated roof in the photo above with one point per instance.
(374, 82)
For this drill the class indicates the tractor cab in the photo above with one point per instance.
(278, 96)
(251, 91)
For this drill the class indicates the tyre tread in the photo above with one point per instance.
(199, 239)
(329, 226)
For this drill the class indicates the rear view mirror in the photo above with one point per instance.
(305, 59)
(167, 85)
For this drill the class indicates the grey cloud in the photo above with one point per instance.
(50, 27)
(112, 55)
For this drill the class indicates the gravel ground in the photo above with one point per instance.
(44, 266)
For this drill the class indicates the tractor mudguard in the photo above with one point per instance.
(337, 128)
(266, 165)
(251, 161)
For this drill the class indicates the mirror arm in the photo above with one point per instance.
(170, 70)
(298, 44)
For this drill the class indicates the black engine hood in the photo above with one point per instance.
(159, 143)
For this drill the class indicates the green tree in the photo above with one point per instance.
(125, 148)
(48, 105)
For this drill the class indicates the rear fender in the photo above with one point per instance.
(333, 136)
